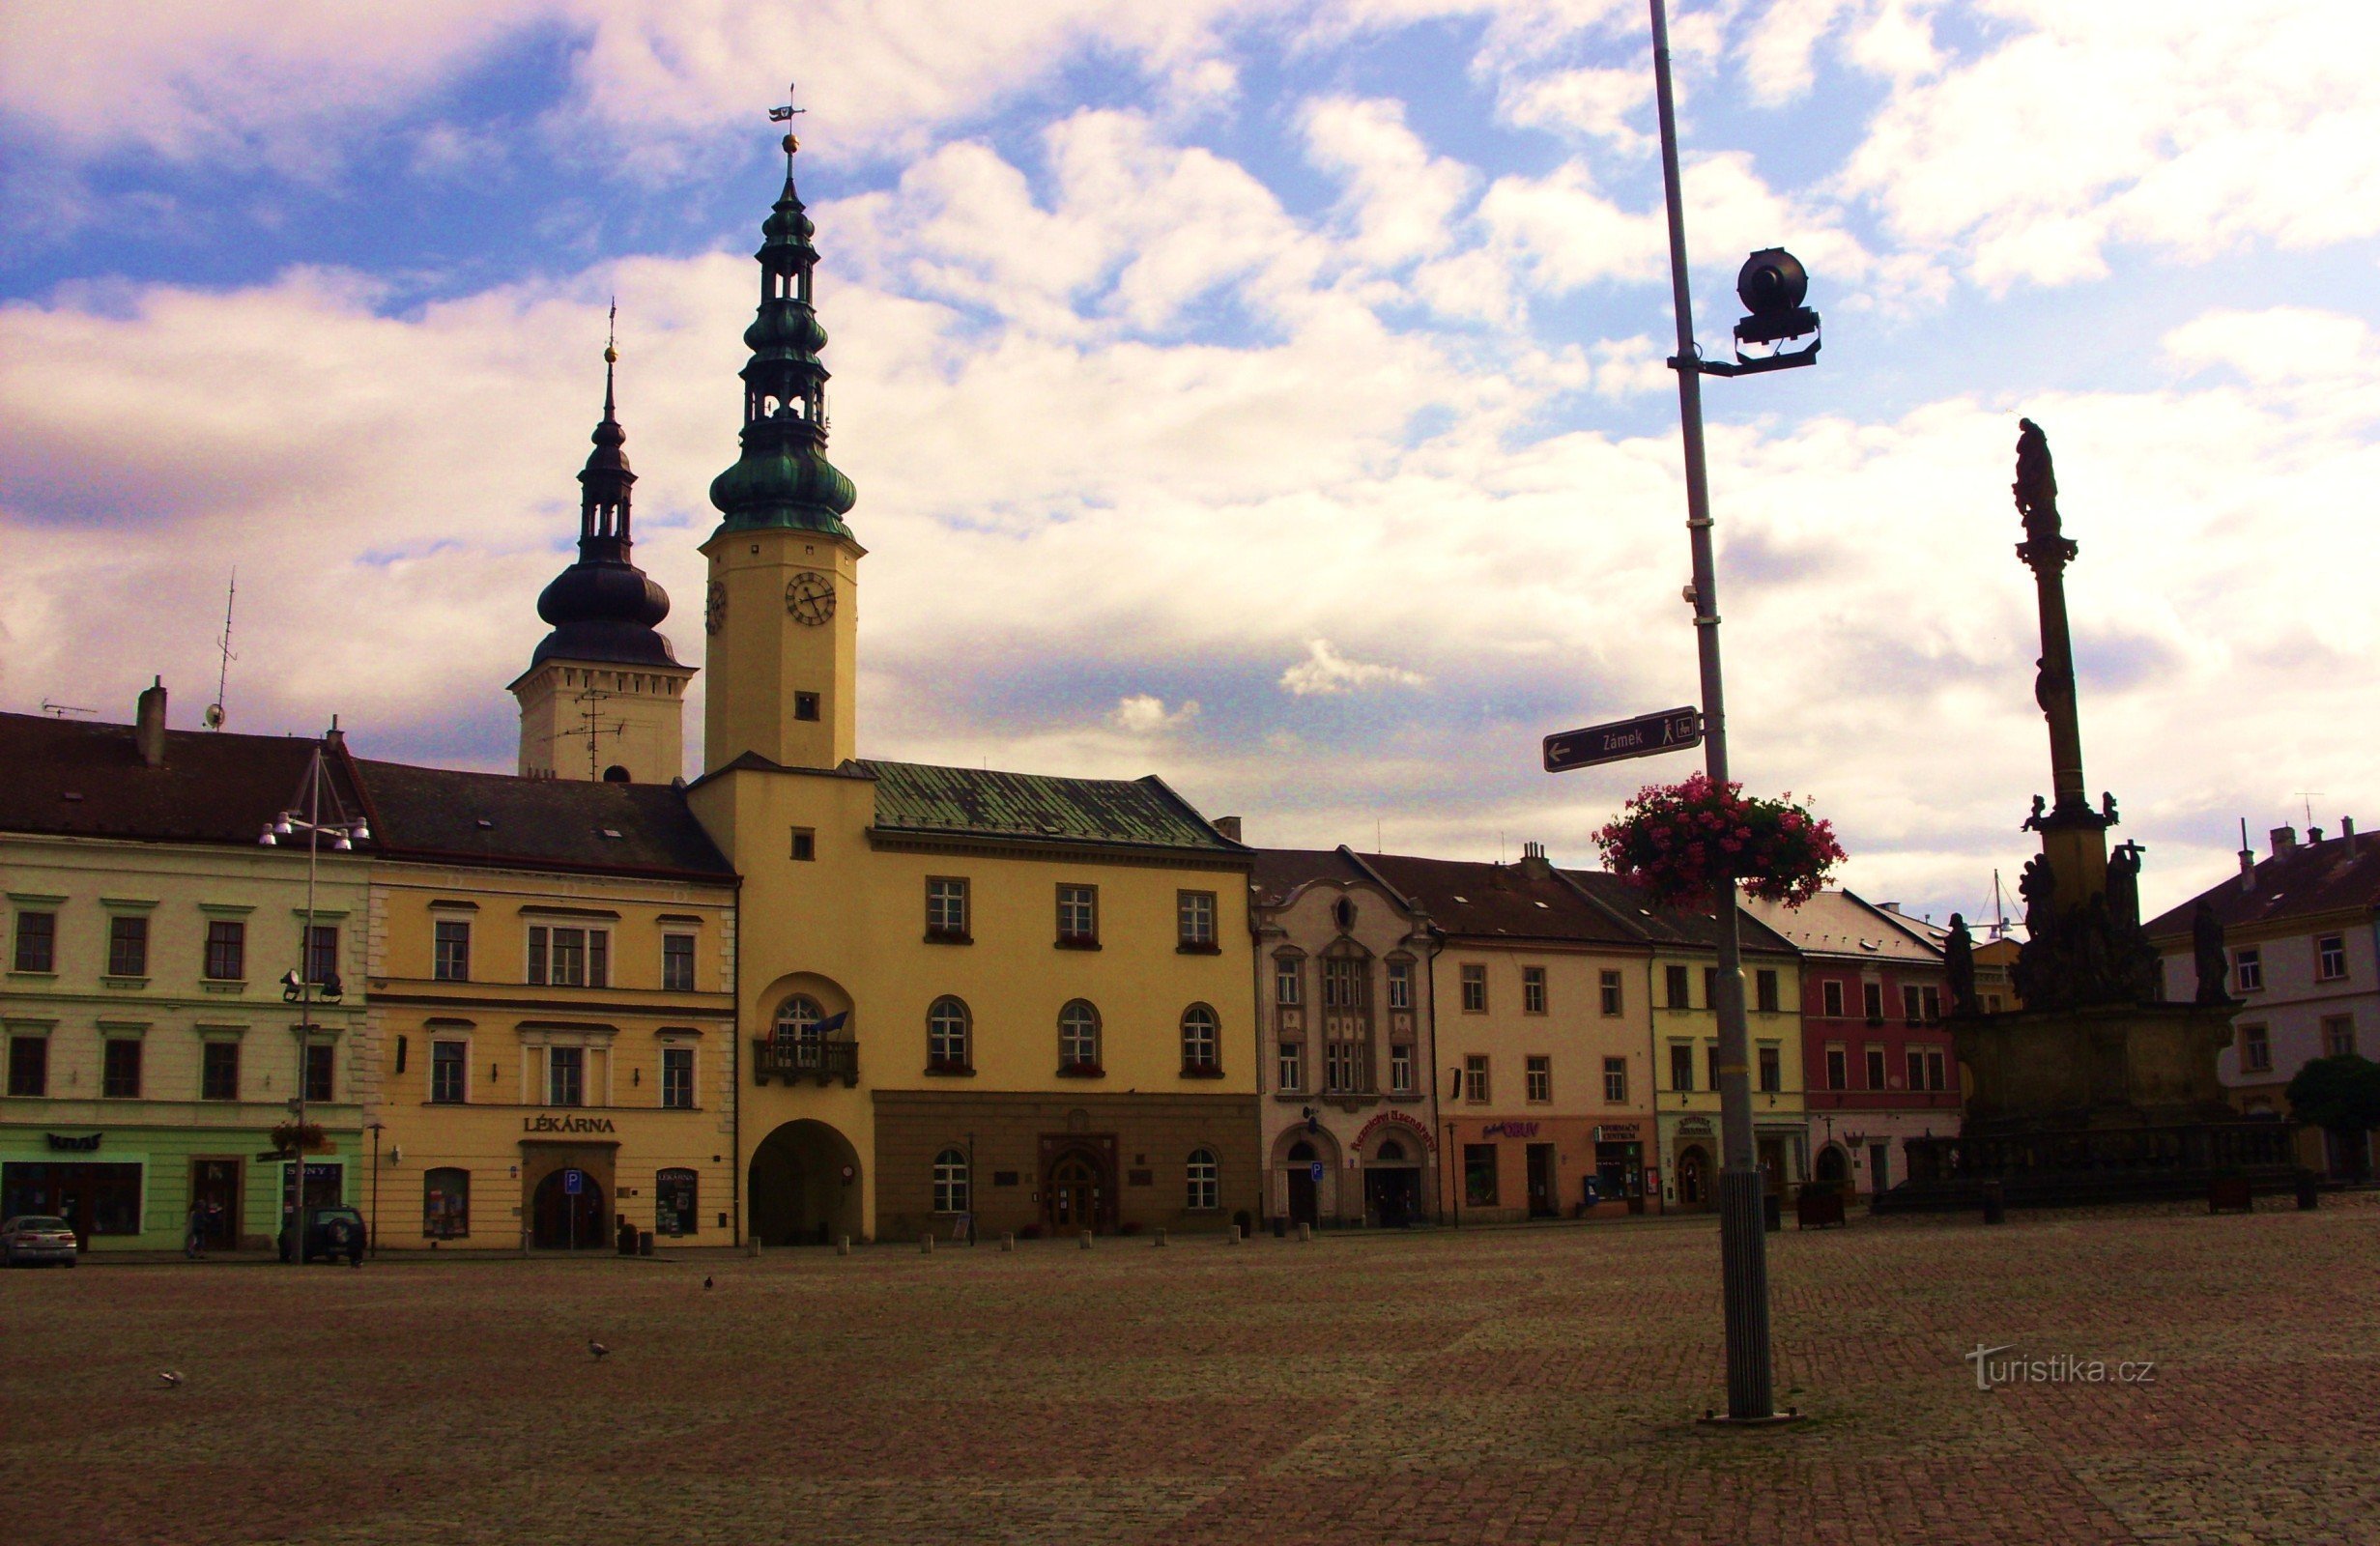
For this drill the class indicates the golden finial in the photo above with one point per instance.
(611, 335)
(785, 115)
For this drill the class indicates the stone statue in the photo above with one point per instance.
(2036, 485)
(1959, 957)
(2032, 823)
(2107, 813)
(2124, 884)
(2037, 884)
(2206, 939)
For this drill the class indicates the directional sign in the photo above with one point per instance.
(1673, 730)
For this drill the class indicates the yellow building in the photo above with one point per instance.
(1016, 1001)
(553, 1010)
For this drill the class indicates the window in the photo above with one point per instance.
(1611, 993)
(1079, 1038)
(677, 1078)
(2331, 957)
(677, 964)
(806, 705)
(1400, 1067)
(674, 1202)
(37, 942)
(1400, 984)
(448, 1061)
(2338, 1035)
(28, 1065)
(218, 1071)
(1195, 912)
(227, 950)
(446, 1203)
(450, 950)
(1917, 1069)
(1202, 1039)
(569, 957)
(1936, 1066)
(1673, 980)
(1540, 1069)
(1681, 1066)
(1764, 990)
(1343, 1067)
(322, 952)
(1710, 1057)
(1475, 1079)
(1930, 1001)
(1710, 987)
(400, 1055)
(2251, 967)
(1204, 1181)
(1288, 979)
(1871, 1002)
(321, 1064)
(2255, 1050)
(1344, 979)
(1830, 997)
(1077, 916)
(946, 908)
(1615, 1081)
(1293, 1065)
(1911, 1009)
(119, 1073)
(1838, 1068)
(1772, 1070)
(565, 1076)
(1479, 1174)
(804, 845)
(1533, 989)
(128, 945)
(950, 1182)
(946, 1037)
(1475, 989)
(1876, 1067)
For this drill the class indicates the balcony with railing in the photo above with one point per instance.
(794, 1059)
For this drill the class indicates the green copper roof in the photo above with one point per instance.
(1139, 813)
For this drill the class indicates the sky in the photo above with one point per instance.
(1268, 396)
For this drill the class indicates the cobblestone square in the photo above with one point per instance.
(1513, 1386)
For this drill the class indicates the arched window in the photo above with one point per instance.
(947, 1048)
(1078, 1038)
(673, 1203)
(445, 1204)
(1205, 1178)
(1391, 1152)
(1301, 1153)
(950, 1182)
(1202, 1042)
(797, 1021)
(615, 774)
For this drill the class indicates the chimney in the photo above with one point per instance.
(2346, 830)
(2283, 838)
(1534, 863)
(149, 724)
(334, 737)
(2313, 833)
(1228, 826)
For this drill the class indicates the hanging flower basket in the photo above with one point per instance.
(292, 1138)
(1678, 840)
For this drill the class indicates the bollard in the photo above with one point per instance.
(1231, 1234)
(1086, 1240)
(1281, 1228)
(752, 1248)
(925, 1245)
(1306, 1234)
(1159, 1239)
(1994, 1203)
(1008, 1242)
(843, 1244)
(2308, 1191)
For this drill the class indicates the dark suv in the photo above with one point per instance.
(331, 1232)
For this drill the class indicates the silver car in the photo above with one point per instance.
(37, 1237)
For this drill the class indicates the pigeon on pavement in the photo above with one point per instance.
(706, 1283)
(598, 1349)
(169, 1378)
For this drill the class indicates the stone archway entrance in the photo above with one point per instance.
(1693, 1178)
(564, 1219)
(805, 1186)
(1832, 1165)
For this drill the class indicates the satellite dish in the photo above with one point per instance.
(214, 716)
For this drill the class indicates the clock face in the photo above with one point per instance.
(715, 608)
(810, 597)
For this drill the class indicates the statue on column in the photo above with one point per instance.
(2206, 942)
(1959, 958)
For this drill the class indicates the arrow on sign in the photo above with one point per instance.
(1673, 730)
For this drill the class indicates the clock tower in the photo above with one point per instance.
(780, 609)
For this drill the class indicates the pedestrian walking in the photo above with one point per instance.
(195, 1237)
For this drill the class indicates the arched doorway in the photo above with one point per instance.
(1693, 1178)
(1304, 1206)
(1832, 1164)
(1076, 1190)
(1392, 1183)
(805, 1186)
(567, 1212)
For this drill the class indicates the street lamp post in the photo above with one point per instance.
(299, 987)
(1771, 285)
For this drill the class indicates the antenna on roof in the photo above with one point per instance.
(2308, 797)
(593, 727)
(214, 715)
(61, 710)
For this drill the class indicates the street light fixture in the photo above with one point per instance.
(1772, 287)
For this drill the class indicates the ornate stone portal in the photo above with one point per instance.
(2094, 1089)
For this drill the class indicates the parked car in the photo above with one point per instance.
(330, 1232)
(37, 1237)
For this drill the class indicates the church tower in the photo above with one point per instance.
(604, 696)
(782, 608)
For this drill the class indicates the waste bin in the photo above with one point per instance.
(1772, 1211)
(644, 1243)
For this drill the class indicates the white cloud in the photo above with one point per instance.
(1325, 671)
(1145, 714)
(1404, 201)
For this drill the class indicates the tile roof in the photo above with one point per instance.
(916, 797)
(1674, 926)
(1476, 901)
(2333, 875)
(1282, 870)
(81, 779)
(443, 815)
(1837, 923)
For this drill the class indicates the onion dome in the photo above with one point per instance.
(782, 478)
(604, 608)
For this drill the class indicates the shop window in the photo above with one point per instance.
(448, 1066)
(1202, 1039)
(951, 1182)
(1205, 1181)
(450, 950)
(677, 964)
(677, 1078)
(1479, 1174)
(674, 1213)
(128, 945)
(97, 1199)
(37, 942)
(120, 1072)
(446, 1203)
(948, 1048)
(218, 1071)
(227, 950)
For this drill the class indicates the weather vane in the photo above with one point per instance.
(785, 115)
(611, 335)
